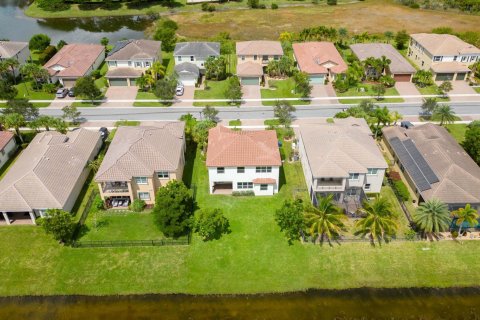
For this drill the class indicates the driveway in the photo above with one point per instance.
(323, 90)
(461, 87)
(408, 89)
(59, 103)
(251, 92)
(120, 93)
(188, 94)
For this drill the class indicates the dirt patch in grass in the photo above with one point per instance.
(375, 16)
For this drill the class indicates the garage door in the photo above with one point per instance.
(320, 79)
(250, 81)
(402, 77)
(444, 77)
(133, 81)
(69, 83)
(461, 76)
(188, 80)
(118, 82)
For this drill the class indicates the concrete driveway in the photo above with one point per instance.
(120, 93)
(461, 87)
(408, 89)
(251, 92)
(323, 90)
(188, 94)
(59, 103)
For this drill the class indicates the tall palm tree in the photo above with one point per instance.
(385, 63)
(445, 113)
(157, 70)
(45, 122)
(395, 116)
(94, 165)
(432, 217)
(467, 214)
(14, 121)
(378, 221)
(12, 64)
(326, 220)
(60, 125)
(380, 116)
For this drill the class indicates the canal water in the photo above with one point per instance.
(425, 304)
(15, 25)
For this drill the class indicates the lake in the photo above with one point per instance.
(15, 25)
(364, 304)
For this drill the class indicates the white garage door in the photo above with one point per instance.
(119, 82)
(250, 81)
(188, 80)
(318, 79)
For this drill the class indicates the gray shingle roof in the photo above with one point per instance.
(198, 49)
(45, 174)
(9, 49)
(140, 151)
(186, 68)
(398, 63)
(135, 49)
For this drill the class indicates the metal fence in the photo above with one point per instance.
(84, 213)
(130, 243)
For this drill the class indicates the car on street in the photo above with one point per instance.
(61, 93)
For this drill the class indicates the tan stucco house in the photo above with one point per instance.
(7, 146)
(139, 161)
(253, 57)
(447, 56)
(14, 50)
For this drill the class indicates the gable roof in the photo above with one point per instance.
(141, 151)
(135, 49)
(458, 174)
(249, 69)
(46, 172)
(444, 44)
(340, 148)
(229, 148)
(9, 49)
(76, 59)
(398, 65)
(198, 49)
(187, 68)
(318, 58)
(5, 138)
(259, 47)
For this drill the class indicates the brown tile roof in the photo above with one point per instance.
(458, 174)
(141, 151)
(318, 57)
(123, 73)
(46, 172)
(264, 181)
(444, 44)
(9, 49)
(249, 69)
(228, 148)
(451, 66)
(398, 65)
(5, 137)
(76, 59)
(259, 47)
(135, 49)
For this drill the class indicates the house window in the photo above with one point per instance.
(220, 170)
(372, 172)
(192, 58)
(455, 58)
(163, 174)
(129, 63)
(351, 192)
(138, 64)
(275, 57)
(179, 58)
(367, 186)
(423, 63)
(263, 169)
(265, 58)
(242, 58)
(144, 196)
(264, 187)
(437, 58)
(147, 64)
(464, 59)
(244, 185)
(112, 63)
(255, 57)
(141, 180)
(354, 177)
(241, 170)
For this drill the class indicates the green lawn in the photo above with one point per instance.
(477, 89)
(235, 123)
(280, 89)
(141, 95)
(26, 91)
(356, 92)
(431, 90)
(127, 123)
(168, 62)
(457, 131)
(216, 90)
(271, 122)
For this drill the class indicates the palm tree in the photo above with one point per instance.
(378, 222)
(432, 217)
(60, 125)
(326, 220)
(395, 117)
(467, 214)
(14, 121)
(142, 82)
(445, 113)
(429, 105)
(12, 64)
(157, 70)
(385, 63)
(381, 116)
(94, 165)
(45, 122)
(34, 72)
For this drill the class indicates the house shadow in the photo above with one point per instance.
(282, 179)
(190, 157)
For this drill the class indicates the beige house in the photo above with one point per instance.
(447, 56)
(253, 57)
(48, 174)
(7, 146)
(14, 50)
(139, 161)
(129, 59)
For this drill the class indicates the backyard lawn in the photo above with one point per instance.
(357, 92)
(281, 89)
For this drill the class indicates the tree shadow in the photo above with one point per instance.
(282, 180)
(190, 157)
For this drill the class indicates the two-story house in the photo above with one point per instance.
(447, 56)
(253, 57)
(129, 59)
(14, 50)
(342, 159)
(7, 146)
(243, 161)
(190, 59)
(139, 161)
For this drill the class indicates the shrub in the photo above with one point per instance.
(274, 6)
(410, 235)
(58, 223)
(96, 74)
(332, 2)
(387, 81)
(47, 54)
(414, 6)
(49, 87)
(137, 205)
(341, 115)
(243, 193)
(394, 176)
(52, 5)
(402, 190)
(211, 224)
(253, 3)
(98, 203)
(262, 6)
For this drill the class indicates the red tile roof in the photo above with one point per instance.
(228, 148)
(264, 181)
(76, 59)
(5, 137)
(318, 57)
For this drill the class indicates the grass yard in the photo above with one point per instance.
(271, 122)
(235, 123)
(26, 91)
(281, 89)
(431, 90)
(141, 95)
(216, 90)
(477, 89)
(168, 62)
(457, 130)
(355, 91)
(126, 123)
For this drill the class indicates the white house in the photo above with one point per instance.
(342, 159)
(7, 146)
(243, 161)
(16, 50)
(190, 59)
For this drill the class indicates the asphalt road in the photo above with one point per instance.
(228, 113)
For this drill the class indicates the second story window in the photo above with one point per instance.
(437, 58)
(138, 64)
(240, 169)
(242, 58)
(163, 174)
(220, 170)
(354, 177)
(147, 64)
(263, 169)
(141, 180)
(129, 63)
(192, 58)
(372, 171)
(276, 57)
(255, 57)
(179, 58)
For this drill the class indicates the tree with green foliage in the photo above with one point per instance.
(378, 221)
(216, 68)
(39, 42)
(166, 33)
(283, 111)
(104, 41)
(254, 4)
(302, 84)
(61, 44)
(95, 164)
(137, 205)
(388, 35)
(7, 91)
(60, 125)
(200, 133)
(85, 87)
(290, 219)
(432, 217)
(379, 91)
(282, 67)
(233, 91)
(211, 224)
(174, 206)
(468, 215)
(157, 70)
(71, 112)
(165, 88)
(423, 78)
(471, 144)
(58, 223)
(34, 72)
(379, 116)
(401, 39)
(445, 114)
(190, 122)
(11, 64)
(44, 121)
(429, 105)
(210, 113)
(325, 221)
(445, 88)
(14, 121)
